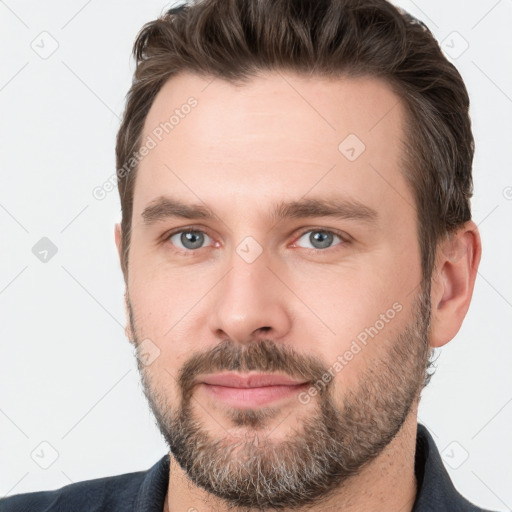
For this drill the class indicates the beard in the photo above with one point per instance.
(331, 444)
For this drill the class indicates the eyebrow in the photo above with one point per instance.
(165, 207)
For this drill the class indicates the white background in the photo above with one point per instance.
(67, 373)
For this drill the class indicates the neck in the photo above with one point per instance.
(386, 484)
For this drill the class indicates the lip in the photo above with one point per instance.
(256, 380)
(251, 390)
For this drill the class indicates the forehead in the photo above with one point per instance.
(317, 107)
(278, 134)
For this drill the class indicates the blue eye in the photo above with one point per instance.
(320, 238)
(190, 239)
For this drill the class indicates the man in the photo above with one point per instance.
(296, 239)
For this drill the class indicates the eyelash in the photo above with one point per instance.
(191, 252)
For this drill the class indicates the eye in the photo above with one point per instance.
(190, 239)
(320, 238)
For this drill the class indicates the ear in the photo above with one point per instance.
(453, 280)
(128, 329)
(118, 237)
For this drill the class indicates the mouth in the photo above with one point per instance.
(251, 390)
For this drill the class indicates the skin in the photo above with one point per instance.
(240, 151)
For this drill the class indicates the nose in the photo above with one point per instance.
(250, 302)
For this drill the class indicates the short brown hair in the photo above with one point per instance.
(235, 39)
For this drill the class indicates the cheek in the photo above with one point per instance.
(360, 309)
(350, 297)
(165, 368)
(164, 294)
(162, 372)
(158, 305)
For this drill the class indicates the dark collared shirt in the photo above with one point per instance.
(144, 491)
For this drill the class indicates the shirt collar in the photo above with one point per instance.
(435, 491)
(151, 495)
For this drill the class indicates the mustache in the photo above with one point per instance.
(264, 356)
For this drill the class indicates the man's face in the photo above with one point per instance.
(332, 302)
